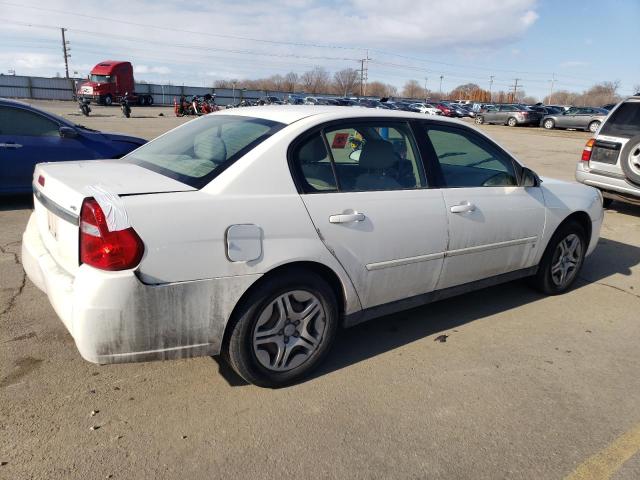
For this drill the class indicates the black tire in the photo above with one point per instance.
(630, 159)
(85, 110)
(149, 100)
(142, 100)
(543, 280)
(548, 124)
(512, 122)
(108, 100)
(238, 348)
(479, 119)
(593, 126)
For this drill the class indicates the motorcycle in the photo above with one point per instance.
(124, 105)
(83, 106)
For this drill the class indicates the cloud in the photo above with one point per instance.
(144, 69)
(574, 64)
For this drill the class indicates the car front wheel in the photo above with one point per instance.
(283, 329)
(562, 260)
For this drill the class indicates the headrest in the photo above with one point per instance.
(210, 147)
(313, 151)
(377, 155)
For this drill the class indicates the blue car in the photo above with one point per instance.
(29, 136)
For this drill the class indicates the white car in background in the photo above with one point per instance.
(426, 108)
(255, 233)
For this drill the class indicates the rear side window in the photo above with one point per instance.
(202, 149)
(17, 121)
(624, 121)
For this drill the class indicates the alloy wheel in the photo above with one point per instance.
(634, 159)
(566, 260)
(289, 330)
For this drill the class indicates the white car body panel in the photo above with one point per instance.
(179, 299)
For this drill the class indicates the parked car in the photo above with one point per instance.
(446, 109)
(194, 257)
(511, 115)
(609, 106)
(427, 108)
(584, 118)
(29, 135)
(611, 159)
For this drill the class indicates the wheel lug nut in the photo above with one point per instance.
(280, 332)
(297, 322)
(286, 339)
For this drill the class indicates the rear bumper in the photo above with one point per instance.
(605, 183)
(115, 318)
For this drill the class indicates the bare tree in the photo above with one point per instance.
(379, 89)
(412, 89)
(316, 80)
(290, 82)
(345, 81)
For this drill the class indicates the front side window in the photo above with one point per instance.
(17, 121)
(201, 149)
(359, 157)
(468, 160)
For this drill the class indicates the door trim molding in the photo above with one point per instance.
(491, 246)
(404, 261)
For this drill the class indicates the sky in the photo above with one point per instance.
(573, 43)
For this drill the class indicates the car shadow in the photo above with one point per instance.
(373, 338)
(16, 202)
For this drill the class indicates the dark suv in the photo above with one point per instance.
(611, 160)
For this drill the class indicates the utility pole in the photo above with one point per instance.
(441, 77)
(515, 88)
(364, 69)
(553, 81)
(425, 88)
(66, 53)
(491, 77)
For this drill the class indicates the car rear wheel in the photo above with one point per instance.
(479, 119)
(630, 160)
(283, 329)
(512, 122)
(562, 260)
(548, 124)
(593, 126)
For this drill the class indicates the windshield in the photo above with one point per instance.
(202, 149)
(101, 78)
(624, 121)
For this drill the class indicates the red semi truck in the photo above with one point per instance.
(109, 81)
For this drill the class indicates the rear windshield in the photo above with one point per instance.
(202, 149)
(624, 121)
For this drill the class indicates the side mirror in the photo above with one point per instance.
(530, 178)
(68, 132)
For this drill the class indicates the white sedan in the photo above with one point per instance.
(256, 233)
(426, 108)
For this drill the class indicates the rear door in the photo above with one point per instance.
(364, 186)
(494, 223)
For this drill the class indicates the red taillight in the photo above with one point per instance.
(41, 180)
(103, 249)
(586, 153)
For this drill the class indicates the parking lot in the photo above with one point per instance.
(525, 386)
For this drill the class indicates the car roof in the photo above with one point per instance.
(289, 114)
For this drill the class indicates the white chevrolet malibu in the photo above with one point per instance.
(257, 233)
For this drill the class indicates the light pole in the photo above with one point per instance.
(441, 77)
(425, 88)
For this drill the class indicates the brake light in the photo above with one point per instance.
(104, 249)
(586, 153)
(41, 180)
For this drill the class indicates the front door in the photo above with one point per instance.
(495, 225)
(365, 188)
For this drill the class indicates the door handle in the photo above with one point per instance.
(464, 207)
(347, 217)
(10, 145)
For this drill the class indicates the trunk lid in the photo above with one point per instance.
(57, 203)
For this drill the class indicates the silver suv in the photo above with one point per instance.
(611, 160)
